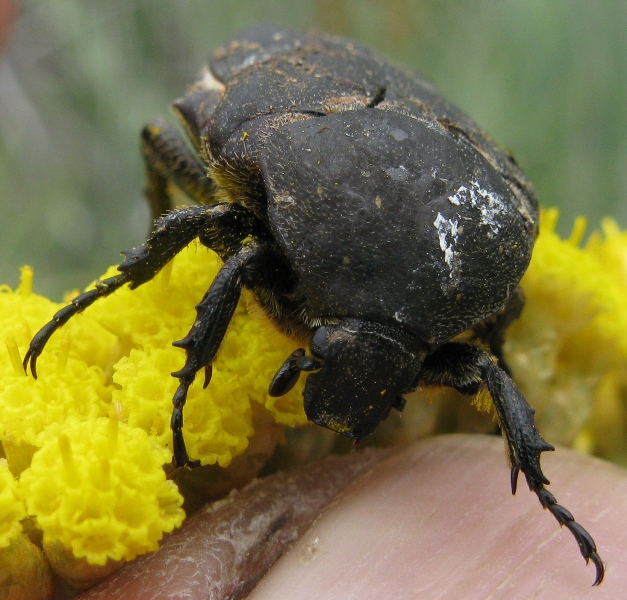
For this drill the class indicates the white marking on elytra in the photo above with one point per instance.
(448, 231)
(284, 200)
(401, 315)
(490, 205)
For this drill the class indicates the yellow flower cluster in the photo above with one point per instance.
(89, 491)
(23, 570)
(89, 438)
(568, 350)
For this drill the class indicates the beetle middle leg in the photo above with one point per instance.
(214, 313)
(467, 368)
(169, 159)
(250, 262)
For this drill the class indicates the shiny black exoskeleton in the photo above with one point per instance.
(372, 220)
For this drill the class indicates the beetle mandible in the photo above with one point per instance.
(372, 220)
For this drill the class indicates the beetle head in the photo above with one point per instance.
(365, 368)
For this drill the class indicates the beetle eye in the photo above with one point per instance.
(320, 342)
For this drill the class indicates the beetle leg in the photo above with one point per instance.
(79, 304)
(169, 159)
(172, 233)
(201, 344)
(516, 418)
(467, 368)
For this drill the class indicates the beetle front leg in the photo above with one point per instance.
(103, 289)
(467, 368)
(214, 313)
(169, 159)
(525, 444)
(171, 234)
(221, 227)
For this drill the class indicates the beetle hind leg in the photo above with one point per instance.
(468, 368)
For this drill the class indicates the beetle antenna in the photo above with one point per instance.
(289, 372)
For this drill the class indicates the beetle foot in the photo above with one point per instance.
(180, 458)
(79, 304)
(565, 518)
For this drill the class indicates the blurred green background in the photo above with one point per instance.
(78, 79)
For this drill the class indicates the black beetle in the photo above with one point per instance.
(373, 221)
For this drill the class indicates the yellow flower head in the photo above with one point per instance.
(106, 497)
(90, 492)
(31, 410)
(569, 344)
